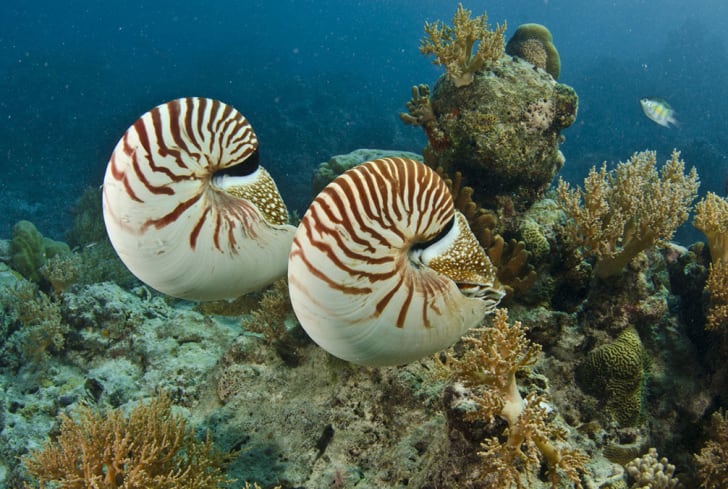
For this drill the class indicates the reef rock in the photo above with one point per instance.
(502, 131)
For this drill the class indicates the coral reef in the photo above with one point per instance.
(151, 447)
(615, 374)
(488, 365)
(534, 43)
(624, 211)
(652, 472)
(502, 132)
(453, 46)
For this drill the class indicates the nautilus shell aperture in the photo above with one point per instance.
(188, 209)
(383, 270)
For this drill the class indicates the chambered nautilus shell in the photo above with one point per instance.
(188, 209)
(383, 270)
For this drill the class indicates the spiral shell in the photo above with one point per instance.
(383, 270)
(188, 209)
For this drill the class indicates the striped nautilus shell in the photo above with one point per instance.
(384, 270)
(188, 209)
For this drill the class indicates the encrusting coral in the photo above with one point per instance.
(488, 365)
(711, 217)
(620, 213)
(151, 448)
(534, 43)
(453, 46)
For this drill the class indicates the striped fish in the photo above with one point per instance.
(658, 110)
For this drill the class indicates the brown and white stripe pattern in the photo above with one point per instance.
(377, 263)
(177, 225)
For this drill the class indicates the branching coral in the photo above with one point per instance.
(420, 113)
(36, 320)
(488, 366)
(269, 320)
(620, 213)
(717, 285)
(453, 46)
(152, 447)
(711, 217)
(652, 472)
(712, 460)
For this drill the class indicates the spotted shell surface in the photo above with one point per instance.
(187, 208)
(383, 270)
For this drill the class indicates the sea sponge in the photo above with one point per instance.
(534, 43)
(615, 374)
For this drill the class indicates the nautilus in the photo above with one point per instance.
(384, 270)
(187, 207)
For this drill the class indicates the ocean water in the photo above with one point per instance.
(318, 78)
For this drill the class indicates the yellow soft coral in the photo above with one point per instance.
(453, 46)
(488, 365)
(712, 461)
(717, 285)
(620, 213)
(711, 217)
(151, 448)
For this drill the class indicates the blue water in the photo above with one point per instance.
(317, 78)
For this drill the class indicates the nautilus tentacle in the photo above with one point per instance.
(383, 270)
(188, 209)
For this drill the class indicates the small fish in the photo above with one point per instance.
(658, 110)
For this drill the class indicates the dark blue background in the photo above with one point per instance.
(317, 78)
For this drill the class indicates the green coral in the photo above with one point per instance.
(534, 43)
(29, 250)
(466, 47)
(615, 373)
